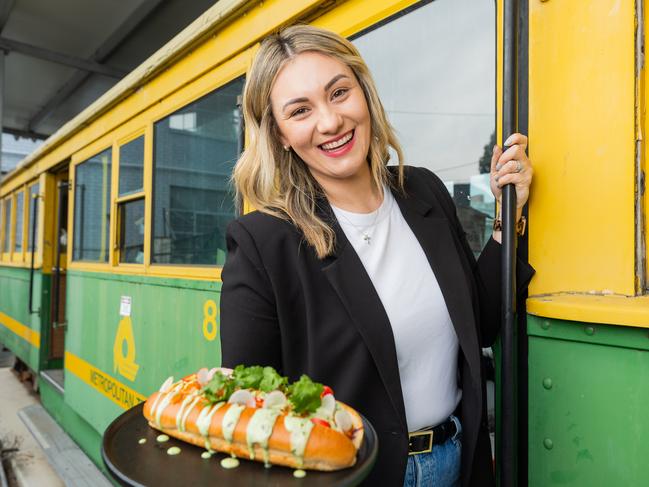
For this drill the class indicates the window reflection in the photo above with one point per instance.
(131, 218)
(194, 153)
(92, 208)
(33, 217)
(131, 166)
(7, 225)
(437, 85)
(18, 238)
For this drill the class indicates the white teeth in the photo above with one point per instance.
(338, 143)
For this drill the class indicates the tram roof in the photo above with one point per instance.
(105, 44)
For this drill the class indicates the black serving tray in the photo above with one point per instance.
(148, 464)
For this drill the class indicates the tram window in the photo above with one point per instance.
(131, 166)
(92, 208)
(18, 232)
(195, 150)
(131, 231)
(7, 225)
(33, 215)
(437, 85)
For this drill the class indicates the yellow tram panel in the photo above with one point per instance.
(582, 142)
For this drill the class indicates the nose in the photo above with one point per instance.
(329, 121)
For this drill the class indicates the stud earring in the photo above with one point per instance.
(286, 148)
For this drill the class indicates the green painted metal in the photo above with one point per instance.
(84, 435)
(168, 319)
(14, 301)
(588, 394)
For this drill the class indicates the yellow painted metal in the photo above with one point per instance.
(355, 15)
(48, 244)
(582, 144)
(608, 309)
(31, 336)
(641, 122)
(116, 391)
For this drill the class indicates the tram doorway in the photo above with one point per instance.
(59, 266)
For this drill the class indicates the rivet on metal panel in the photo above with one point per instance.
(589, 330)
(548, 444)
(545, 325)
(547, 383)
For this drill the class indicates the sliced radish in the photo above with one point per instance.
(243, 397)
(275, 399)
(328, 405)
(202, 377)
(224, 370)
(166, 385)
(343, 420)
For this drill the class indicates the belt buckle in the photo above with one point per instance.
(430, 441)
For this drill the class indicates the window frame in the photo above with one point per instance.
(79, 158)
(200, 270)
(38, 237)
(118, 201)
(18, 257)
(143, 123)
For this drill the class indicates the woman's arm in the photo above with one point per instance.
(249, 328)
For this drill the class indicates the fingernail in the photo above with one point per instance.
(494, 149)
(498, 166)
(497, 178)
(509, 140)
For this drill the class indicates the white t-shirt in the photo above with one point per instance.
(426, 343)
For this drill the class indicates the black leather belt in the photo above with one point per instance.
(422, 441)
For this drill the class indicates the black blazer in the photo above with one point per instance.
(282, 306)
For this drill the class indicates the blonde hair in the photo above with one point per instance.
(278, 182)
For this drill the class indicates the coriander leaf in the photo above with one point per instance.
(304, 395)
(272, 380)
(220, 388)
(248, 377)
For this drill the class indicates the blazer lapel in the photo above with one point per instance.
(434, 233)
(350, 280)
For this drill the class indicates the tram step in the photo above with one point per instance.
(67, 459)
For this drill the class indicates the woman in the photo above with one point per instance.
(359, 274)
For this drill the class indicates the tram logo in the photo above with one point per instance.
(124, 350)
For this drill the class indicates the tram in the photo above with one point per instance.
(112, 232)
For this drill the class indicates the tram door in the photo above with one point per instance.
(59, 266)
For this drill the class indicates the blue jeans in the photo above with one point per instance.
(440, 467)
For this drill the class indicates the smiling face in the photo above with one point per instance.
(321, 112)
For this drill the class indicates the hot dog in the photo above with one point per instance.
(253, 413)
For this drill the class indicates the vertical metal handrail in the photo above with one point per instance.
(63, 186)
(509, 407)
(33, 251)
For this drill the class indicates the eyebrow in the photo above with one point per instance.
(326, 88)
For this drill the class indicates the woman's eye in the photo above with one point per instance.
(299, 111)
(339, 92)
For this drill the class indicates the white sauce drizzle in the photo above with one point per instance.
(183, 417)
(164, 403)
(300, 429)
(259, 430)
(204, 420)
(230, 420)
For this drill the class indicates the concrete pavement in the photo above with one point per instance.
(28, 463)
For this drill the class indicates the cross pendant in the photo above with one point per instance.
(367, 238)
